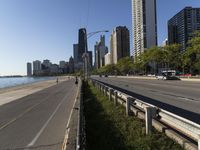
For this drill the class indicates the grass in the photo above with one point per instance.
(108, 128)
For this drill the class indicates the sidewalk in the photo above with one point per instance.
(8, 95)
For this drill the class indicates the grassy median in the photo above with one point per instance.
(108, 128)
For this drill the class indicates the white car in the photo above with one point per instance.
(161, 77)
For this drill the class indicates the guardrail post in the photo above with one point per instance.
(115, 98)
(128, 104)
(150, 112)
(110, 94)
(100, 87)
(103, 89)
(106, 90)
(148, 120)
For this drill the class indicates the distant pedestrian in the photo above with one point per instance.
(76, 82)
(57, 80)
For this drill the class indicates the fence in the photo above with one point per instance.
(174, 126)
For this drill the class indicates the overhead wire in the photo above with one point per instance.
(88, 14)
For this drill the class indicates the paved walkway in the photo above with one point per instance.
(8, 95)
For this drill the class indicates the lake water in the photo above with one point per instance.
(10, 82)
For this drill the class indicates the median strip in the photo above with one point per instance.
(108, 127)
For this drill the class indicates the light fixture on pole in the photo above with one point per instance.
(86, 55)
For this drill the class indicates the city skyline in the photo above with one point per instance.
(38, 30)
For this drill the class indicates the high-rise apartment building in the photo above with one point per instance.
(29, 69)
(82, 44)
(36, 67)
(182, 26)
(119, 44)
(144, 20)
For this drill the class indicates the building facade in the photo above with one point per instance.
(29, 69)
(82, 43)
(182, 26)
(90, 59)
(75, 51)
(62, 64)
(100, 51)
(107, 59)
(37, 67)
(46, 63)
(144, 21)
(119, 43)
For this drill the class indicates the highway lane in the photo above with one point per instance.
(37, 120)
(181, 94)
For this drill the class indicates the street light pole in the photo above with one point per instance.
(86, 55)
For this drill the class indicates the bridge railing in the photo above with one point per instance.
(176, 127)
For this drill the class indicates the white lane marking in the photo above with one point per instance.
(64, 146)
(45, 125)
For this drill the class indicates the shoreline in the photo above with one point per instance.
(32, 82)
(10, 94)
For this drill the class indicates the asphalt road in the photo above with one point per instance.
(180, 97)
(39, 120)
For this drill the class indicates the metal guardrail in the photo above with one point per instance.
(184, 126)
(81, 135)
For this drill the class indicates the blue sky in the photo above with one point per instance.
(47, 29)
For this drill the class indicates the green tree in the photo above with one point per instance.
(125, 65)
(172, 56)
(191, 57)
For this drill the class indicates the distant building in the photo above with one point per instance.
(90, 58)
(46, 63)
(54, 69)
(82, 44)
(75, 51)
(144, 25)
(107, 59)
(100, 50)
(29, 69)
(71, 65)
(37, 67)
(62, 64)
(182, 26)
(120, 44)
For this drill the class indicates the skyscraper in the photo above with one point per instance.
(119, 44)
(100, 51)
(75, 47)
(90, 58)
(29, 69)
(144, 20)
(82, 43)
(182, 26)
(36, 67)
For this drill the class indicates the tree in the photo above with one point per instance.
(124, 65)
(192, 54)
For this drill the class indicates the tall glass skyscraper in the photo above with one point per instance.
(144, 20)
(82, 43)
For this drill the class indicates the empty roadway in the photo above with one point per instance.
(183, 95)
(37, 120)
